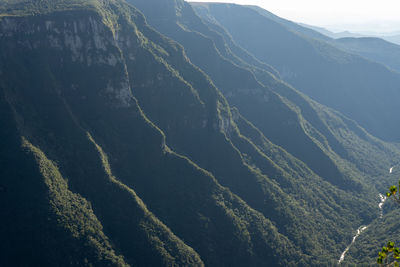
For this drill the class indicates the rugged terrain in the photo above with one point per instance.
(136, 133)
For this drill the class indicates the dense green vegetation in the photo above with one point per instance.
(191, 39)
(59, 106)
(125, 147)
(41, 218)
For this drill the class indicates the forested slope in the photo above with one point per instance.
(125, 147)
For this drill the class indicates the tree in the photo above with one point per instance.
(390, 255)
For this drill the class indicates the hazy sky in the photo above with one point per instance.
(355, 15)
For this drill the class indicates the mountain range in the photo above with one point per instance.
(393, 37)
(327, 74)
(163, 133)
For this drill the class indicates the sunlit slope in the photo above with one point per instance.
(172, 24)
(360, 89)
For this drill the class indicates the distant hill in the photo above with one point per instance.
(393, 38)
(331, 34)
(375, 49)
(329, 75)
(372, 48)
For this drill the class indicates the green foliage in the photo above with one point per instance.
(42, 218)
(73, 213)
(32, 7)
(183, 196)
(392, 193)
(226, 75)
(174, 176)
(389, 255)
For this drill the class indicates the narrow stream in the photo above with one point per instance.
(363, 227)
(359, 231)
(380, 205)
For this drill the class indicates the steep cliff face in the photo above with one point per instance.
(132, 156)
(300, 115)
(257, 99)
(59, 80)
(325, 141)
(69, 88)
